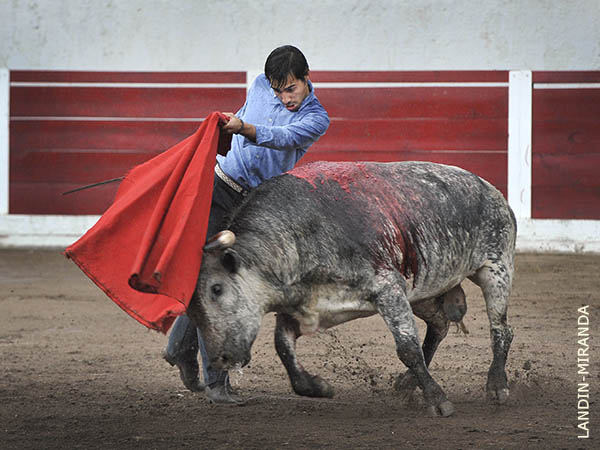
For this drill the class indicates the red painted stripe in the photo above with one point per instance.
(589, 76)
(566, 186)
(561, 104)
(434, 134)
(153, 136)
(29, 197)
(45, 198)
(422, 133)
(566, 153)
(569, 204)
(198, 102)
(123, 102)
(563, 171)
(126, 77)
(566, 149)
(475, 76)
(567, 137)
(409, 76)
(386, 103)
(81, 167)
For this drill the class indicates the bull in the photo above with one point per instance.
(331, 242)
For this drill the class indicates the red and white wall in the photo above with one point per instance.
(534, 135)
(506, 88)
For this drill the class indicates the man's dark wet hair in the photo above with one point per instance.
(282, 62)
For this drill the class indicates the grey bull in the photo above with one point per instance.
(331, 242)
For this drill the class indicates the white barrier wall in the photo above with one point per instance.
(334, 34)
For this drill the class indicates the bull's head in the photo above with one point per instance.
(227, 306)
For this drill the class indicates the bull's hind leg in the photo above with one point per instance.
(287, 331)
(495, 281)
(397, 314)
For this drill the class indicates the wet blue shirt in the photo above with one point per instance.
(282, 136)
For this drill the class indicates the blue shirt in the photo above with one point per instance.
(282, 136)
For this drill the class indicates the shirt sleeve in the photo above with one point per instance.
(299, 134)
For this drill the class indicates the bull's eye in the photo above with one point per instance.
(216, 290)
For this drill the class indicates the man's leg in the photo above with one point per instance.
(185, 339)
(182, 351)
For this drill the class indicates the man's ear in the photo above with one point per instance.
(231, 260)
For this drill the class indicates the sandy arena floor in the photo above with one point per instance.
(77, 372)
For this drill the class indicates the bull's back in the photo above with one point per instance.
(434, 223)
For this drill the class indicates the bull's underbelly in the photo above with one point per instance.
(436, 287)
(330, 305)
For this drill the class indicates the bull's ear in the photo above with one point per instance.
(231, 260)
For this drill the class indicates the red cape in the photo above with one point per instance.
(146, 249)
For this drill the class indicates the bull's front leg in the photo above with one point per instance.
(397, 314)
(437, 313)
(287, 331)
(432, 312)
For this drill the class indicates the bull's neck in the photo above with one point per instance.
(275, 257)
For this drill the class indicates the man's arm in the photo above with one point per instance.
(299, 134)
(286, 137)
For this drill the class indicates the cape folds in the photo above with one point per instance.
(146, 249)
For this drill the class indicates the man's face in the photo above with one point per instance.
(293, 92)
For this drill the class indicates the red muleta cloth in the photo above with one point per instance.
(146, 249)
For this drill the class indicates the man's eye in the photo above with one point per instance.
(216, 290)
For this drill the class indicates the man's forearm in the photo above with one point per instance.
(247, 130)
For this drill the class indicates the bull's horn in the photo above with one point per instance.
(221, 240)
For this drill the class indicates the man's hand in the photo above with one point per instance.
(235, 125)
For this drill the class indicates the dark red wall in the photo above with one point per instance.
(64, 136)
(455, 123)
(566, 146)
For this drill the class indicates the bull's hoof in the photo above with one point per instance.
(497, 387)
(444, 409)
(312, 386)
(500, 395)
